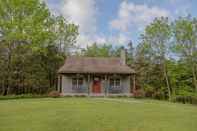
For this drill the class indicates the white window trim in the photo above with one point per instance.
(114, 83)
(77, 86)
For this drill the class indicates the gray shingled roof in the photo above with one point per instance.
(94, 65)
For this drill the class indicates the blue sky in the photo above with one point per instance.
(117, 21)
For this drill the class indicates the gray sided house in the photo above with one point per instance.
(96, 76)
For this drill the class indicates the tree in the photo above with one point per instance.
(22, 25)
(33, 44)
(66, 34)
(185, 30)
(156, 38)
(130, 53)
(95, 50)
(180, 76)
(149, 73)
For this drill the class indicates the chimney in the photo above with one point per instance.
(123, 56)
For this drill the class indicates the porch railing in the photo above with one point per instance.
(115, 90)
(110, 89)
(79, 89)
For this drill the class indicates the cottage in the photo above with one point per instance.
(96, 76)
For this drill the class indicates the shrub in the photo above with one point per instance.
(148, 91)
(185, 99)
(54, 94)
(22, 96)
(139, 94)
(158, 95)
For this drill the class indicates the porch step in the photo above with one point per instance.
(97, 94)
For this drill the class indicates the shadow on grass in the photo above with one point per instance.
(26, 96)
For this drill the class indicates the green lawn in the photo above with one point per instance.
(95, 114)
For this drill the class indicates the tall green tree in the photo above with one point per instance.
(156, 38)
(185, 30)
(149, 73)
(130, 53)
(33, 44)
(66, 34)
(22, 24)
(98, 50)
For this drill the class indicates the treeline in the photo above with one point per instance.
(165, 60)
(34, 44)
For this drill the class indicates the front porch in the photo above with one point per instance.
(98, 95)
(96, 84)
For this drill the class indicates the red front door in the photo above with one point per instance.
(96, 87)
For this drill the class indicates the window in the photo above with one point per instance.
(115, 83)
(77, 83)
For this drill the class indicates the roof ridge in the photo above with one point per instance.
(102, 57)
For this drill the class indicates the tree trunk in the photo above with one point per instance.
(7, 90)
(8, 79)
(194, 77)
(50, 80)
(3, 87)
(167, 82)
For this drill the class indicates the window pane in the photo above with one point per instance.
(117, 82)
(111, 82)
(80, 81)
(74, 81)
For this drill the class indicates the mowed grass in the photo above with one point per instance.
(95, 114)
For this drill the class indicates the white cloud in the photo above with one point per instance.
(84, 14)
(81, 12)
(132, 15)
(120, 39)
(131, 18)
(88, 39)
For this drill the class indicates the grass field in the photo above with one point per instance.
(95, 114)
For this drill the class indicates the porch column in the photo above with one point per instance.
(59, 83)
(134, 84)
(88, 84)
(105, 85)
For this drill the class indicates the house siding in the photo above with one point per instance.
(66, 84)
(87, 86)
(126, 84)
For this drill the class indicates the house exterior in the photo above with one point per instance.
(96, 76)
